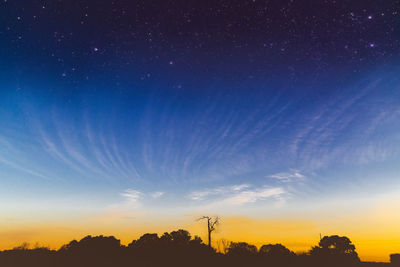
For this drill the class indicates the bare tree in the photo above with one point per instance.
(223, 245)
(211, 225)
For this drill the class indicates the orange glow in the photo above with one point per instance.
(297, 235)
(373, 230)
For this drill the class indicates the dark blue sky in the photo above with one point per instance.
(221, 106)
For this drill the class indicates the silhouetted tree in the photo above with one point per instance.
(175, 248)
(223, 246)
(241, 249)
(241, 254)
(91, 251)
(197, 240)
(276, 250)
(395, 259)
(180, 237)
(211, 225)
(23, 246)
(335, 249)
(337, 245)
(180, 249)
(146, 240)
(277, 255)
(97, 243)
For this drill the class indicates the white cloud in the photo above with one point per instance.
(131, 195)
(287, 176)
(239, 187)
(238, 194)
(157, 194)
(200, 195)
(251, 196)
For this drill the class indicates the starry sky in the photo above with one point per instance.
(122, 115)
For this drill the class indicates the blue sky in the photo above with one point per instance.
(196, 149)
(119, 112)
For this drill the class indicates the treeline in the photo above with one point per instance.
(178, 248)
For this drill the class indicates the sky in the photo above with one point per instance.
(126, 117)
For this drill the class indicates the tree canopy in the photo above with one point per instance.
(178, 248)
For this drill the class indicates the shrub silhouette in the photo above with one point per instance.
(95, 251)
(89, 244)
(276, 250)
(23, 256)
(241, 249)
(179, 248)
(335, 250)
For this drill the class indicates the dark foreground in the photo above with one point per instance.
(178, 248)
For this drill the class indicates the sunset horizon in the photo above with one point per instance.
(297, 235)
(282, 118)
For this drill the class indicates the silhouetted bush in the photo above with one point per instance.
(395, 259)
(334, 251)
(23, 256)
(179, 248)
(91, 251)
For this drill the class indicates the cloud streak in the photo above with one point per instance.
(132, 195)
(251, 196)
(200, 195)
(287, 176)
(237, 194)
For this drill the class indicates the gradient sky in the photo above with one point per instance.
(123, 117)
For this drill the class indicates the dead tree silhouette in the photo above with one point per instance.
(211, 225)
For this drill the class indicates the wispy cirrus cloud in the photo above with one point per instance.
(287, 176)
(237, 194)
(131, 195)
(251, 196)
(22, 169)
(157, 194)
(347, 128)
(223, 190)
(16, 159)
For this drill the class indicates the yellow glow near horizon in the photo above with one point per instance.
(298, 236)
(374, 230)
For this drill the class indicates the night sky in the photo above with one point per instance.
(117, 113)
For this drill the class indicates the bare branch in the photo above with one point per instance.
(203, 217)
(211, 225)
